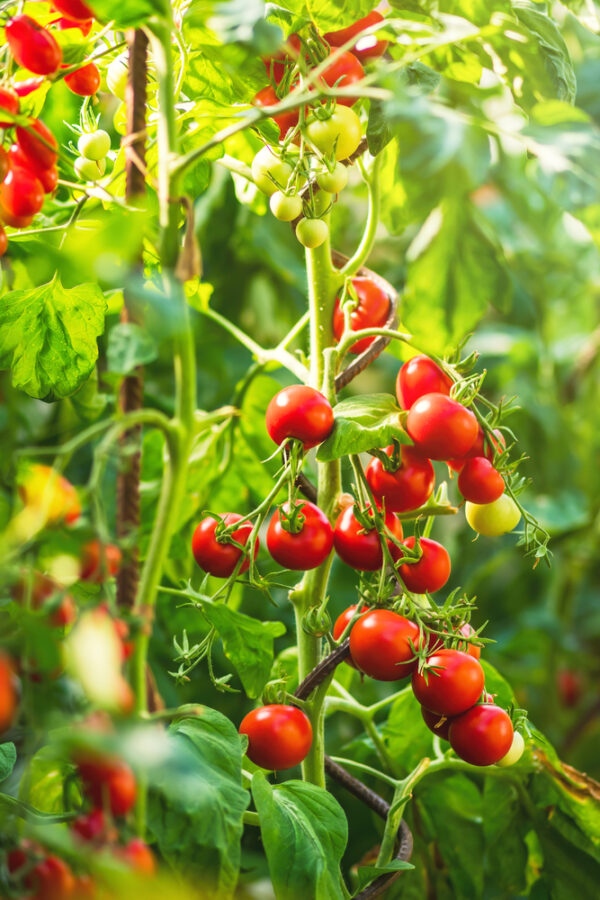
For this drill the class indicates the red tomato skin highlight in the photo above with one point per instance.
(3, 241)
(380, 645)
(372, 50)
(363, 551)
(299, 412)
(479, 481)
(108, 781)
(21, 194)
(286, 120)
(372, 312)
(279, 736)
(340, 626)
(8, 693)
(440, 427)
(431, 572)
(478, 449)
(73, 9)
(409, 487)
(482, 735)
(309, 547)
(215, 558)
(98, 560)
(137, 854)
(440, 725)
(419, 376)
(32, 46)
(452, 685)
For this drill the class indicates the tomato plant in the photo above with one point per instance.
(303, 264)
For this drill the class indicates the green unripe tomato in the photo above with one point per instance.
(89, 169)
(284, 208)
(515, 753)
(334, 182)
(312, 232)
(116, 77)
(267, 166)
(341, 130)
(94, 145)
(120, 119)
(493, 519)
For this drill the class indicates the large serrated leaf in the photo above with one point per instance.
(304, 833)
(48, 337)
(247, 642)
(130, 14)
(363, 423)
(197, 803)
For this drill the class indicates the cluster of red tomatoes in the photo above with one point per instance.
(331, 131)
(28, 169)
(108, 787)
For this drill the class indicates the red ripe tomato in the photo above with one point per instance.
(91, 826)
(4, 164)
(42, 154)
(108, 783)
(342, 73)
(139, 856)
(372, 312)
(47, 177)
(32, 46)
(409, 487)
(51, 879)
(569, 684)
(306, 549)
(482, 735)
(276, 63)
(62, 24)
(473, 650)
(215, 556)
(21, 195)
(452, 682)
(340, 626)
(3, 241)
(431, 572)
(419, 376)
(362, 549)
(84, 81)
(440, 427)
(73, 9)
(279, 737)
(440, 725)
(479, 481)
(268, 97)
(299, 412)
(383, 645)
(10, 102)
(14, 221)
(99, 561)
(367, 47)
(8, 693)
(481, 447)
(28, 86)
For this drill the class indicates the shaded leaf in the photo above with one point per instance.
(362, 423)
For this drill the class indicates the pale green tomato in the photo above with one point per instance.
(267, 166)
(89, 169)
(493, 519)
(515, 753)
(321, 203)
(334, 182)
(94, 145)
(120, 119)
(312, 232)
(284, 208)
(116, 77)
(341, 130)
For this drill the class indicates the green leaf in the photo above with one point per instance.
(362, 423)
(48, 337)
(506, 850)
(8, 758)
(304, 833)
(129, 345)
(367, 874)
(497, 685)
(407, 737)
(455, 268)
(196, 801)
(419, 77)
(247, 642)
(552, 48)
(130, 14)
